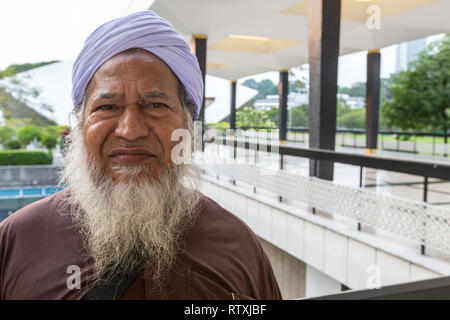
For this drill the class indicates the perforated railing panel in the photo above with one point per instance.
(420, 222)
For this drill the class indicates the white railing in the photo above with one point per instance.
(418, 221)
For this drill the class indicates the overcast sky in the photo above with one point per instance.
(42, 30)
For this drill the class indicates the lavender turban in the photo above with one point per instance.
(145, 30)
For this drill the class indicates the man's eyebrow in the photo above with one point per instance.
(108, 95)
(154, 94)
(148, 95)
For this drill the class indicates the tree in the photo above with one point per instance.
(299, 116)
(358, 89)
(52, 135)
(49, 142)
(273, 115)
(421, 95)
(17, 68)
(27, 133)
(265, 87)
(12, 145)
(252, 117)
(6, 134)
(355, 119)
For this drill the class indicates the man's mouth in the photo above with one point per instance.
(131, 155)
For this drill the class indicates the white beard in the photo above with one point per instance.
(128, 224)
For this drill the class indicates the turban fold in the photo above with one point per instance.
(145, 30)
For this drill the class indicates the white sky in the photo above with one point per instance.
(43, 30)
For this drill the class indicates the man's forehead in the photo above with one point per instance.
(139, 68)
(119, 95)
(138, 63)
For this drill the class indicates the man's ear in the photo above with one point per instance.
(191, 108)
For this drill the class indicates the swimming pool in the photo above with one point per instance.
(13, 199)
(28, 191)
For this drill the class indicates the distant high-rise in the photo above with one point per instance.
(408, 51)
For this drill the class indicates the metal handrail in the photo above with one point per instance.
(415, 167)
(338, 130)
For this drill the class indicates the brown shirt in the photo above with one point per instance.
(221, 258)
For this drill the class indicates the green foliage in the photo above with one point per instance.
(252, 117)
(51, 135)
(27, 133)
(24, 157)
(12, 144)
(15, 123)
(358, 89)
(6, 134)
(354, 119)
(273, 114)
(298, 116)
(17, 68)
(49, 141)
(220, 124)
(265, 87)
(421, 95)
(295, 86)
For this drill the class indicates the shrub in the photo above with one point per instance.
(27, 133)
(12, 144)
(24, 157)
(5, 134)
(49, 141)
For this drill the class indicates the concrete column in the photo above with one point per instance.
(283, 90)
(372, 99)
(198, 47)
(323, 42)
(233, 105)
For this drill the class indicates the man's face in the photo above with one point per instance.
(132, 108)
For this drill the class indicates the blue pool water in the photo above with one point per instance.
(19, 192)
(14, 199)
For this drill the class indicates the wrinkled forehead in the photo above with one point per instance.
(136, 67)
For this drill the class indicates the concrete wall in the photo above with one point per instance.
(16, 176)
(319, 284)
(335, 249)
(289, 271)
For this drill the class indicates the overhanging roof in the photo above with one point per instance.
(247, 37)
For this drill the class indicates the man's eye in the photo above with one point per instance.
(105, 107)
(158, 105)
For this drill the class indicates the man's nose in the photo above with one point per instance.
(132, 125)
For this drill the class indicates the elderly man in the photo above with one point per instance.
(131, 221)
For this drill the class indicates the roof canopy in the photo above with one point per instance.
(247, 37)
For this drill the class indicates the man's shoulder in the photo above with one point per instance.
(214, 213)
(217, 225)
(226, 257)
(34, 214)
